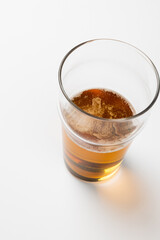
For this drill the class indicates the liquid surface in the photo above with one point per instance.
(103, 103)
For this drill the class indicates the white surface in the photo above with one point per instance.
(39, 199)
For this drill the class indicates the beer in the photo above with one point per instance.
(101, 154)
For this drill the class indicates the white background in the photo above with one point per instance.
(39, 199)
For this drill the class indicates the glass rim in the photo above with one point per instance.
(105, 119)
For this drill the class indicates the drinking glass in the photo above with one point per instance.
(115, 66)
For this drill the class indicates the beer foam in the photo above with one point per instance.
(105, 105)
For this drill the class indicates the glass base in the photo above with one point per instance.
(89, 179)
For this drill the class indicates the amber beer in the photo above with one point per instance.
(96, 163)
